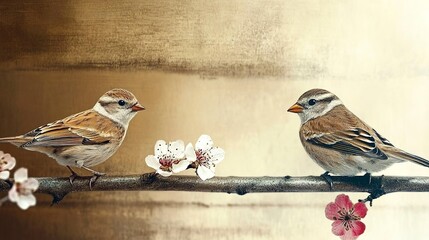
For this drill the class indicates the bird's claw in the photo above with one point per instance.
(375, 193)
(72, 178)
(73, 175)
(369, 177)
(328, 180)
(94, 178)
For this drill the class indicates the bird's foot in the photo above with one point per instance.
(72, 178)
(73, 175)
(369, 177)
(94, 178)
(328, 180)
(375, 193)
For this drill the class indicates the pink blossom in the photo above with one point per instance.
(346, 217)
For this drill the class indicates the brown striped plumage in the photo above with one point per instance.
(87, 138)
(339, 141)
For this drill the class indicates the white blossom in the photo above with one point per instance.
(169, 158)
(23, 188)
(206, 157)
(7, 162)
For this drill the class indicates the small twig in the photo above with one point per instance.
(58, 188)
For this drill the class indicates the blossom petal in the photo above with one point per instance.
(181, 166)
(343, 201)
(338, 228)
(205, 173)
(152, 162)
(360, 209)
(204, 143)
(11, 162)
(331, 211)
(177, 148)
(21, 175)
(358, 228)
(164, 173)
(4, 175)
(26, 201)
(13, 194)
(216, 155)
(190, 153)
(31, 184)
(161, 148)
(348, 235)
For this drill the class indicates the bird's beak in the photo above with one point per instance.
(296, 108)
(137, 107)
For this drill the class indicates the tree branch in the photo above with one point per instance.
(58, 188)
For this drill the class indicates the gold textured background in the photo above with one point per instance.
(228, 69)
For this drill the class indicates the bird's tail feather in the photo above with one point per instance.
(17, 141)
(402, 155)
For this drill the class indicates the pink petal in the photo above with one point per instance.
(343, 201)
(358, 228)
(360, 210)
(331, 211)
(348, 236)
(338, 228)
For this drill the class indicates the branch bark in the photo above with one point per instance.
(58, 188)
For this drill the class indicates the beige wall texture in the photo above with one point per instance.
(229, 69)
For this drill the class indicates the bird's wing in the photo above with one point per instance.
(67, 132)
(355, 141)
(382, 139)
(400, 154)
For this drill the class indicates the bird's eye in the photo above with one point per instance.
(121, 102)
(311, 102)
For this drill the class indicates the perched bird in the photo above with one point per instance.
(341, 143)
(87, 138)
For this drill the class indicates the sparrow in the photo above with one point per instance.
(87, 138)
(340, 142)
